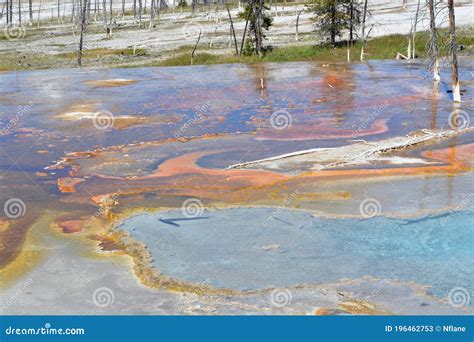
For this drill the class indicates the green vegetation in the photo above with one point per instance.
(257, 22)
(94, 57)
(101, 52)
(334, 17)
(385, 47)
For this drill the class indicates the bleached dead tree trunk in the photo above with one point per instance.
(364, 17)
(297, 24)
(8, 12)
(434, 63)
(140, 9)
(159, 4)
(110, 11)
(104, 12)
(39, 13)
(453, 51)
(109, 26)
(233, 31)
(83, 27)
(73, 11)
(19, 12)
(195, 46)
(413, 51)
(152, 14)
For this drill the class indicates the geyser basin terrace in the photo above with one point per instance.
(379, 211)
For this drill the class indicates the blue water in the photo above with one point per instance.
(261, 247)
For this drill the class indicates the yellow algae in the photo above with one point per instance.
(327, 311)
(77, 111)
(321, 196)
(358, 307)
(34, 249)
(151, 277)
(132, 253)
(4, 225)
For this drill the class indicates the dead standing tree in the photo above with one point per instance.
(245, 29)
(362, 36)
(83, 29)
(232, 31)
(152, 14)
(433, 53)
(7, 12)
(140, 11)
(109, 25)
(453, 48)
(19, 12)
(195, 47)
(104, 12)
(297, 24)
(10, 13)
(411, 38)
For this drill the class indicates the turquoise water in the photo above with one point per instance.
(262, 247)
(244, 248)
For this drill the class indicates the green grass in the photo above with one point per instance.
(101, 52)
(13, 60)
(385, 47)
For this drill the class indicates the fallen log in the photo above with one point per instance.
(359, 153)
